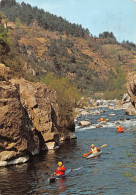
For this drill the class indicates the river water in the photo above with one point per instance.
(113, 173)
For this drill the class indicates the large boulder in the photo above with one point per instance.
(5, 73)
(40, 104)
(30, 120)
(85, 123)
(16, 135)
(129, 99)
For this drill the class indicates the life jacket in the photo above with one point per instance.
(94, 150)
(60, 170)
(120, 129)
(101, 119)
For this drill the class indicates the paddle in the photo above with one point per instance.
(86, 154)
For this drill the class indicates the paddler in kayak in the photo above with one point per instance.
(94, 150)
(101, 119)
(60, 170)
(120, 129)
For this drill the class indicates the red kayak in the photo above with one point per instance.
(119, 131)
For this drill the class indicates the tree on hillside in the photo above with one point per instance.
(29, 14)
(107, 35)
(3, 34)
(129, 45)
(10, 3)
(3, 30)
(4, 39)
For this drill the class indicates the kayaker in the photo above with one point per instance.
(120, 129)
(61, 169)
(94, 149)
(101, 119)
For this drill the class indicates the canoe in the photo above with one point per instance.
(94, 155)
(53, 178)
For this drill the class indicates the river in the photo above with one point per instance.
(113, 173)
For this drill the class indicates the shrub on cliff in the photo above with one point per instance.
(4, 40)
(67, 92)
(116, 87)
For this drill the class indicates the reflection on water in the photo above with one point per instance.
(103, 175)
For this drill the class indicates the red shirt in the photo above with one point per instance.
(60, 170)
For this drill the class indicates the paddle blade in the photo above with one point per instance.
(127, 130)
(103, 146)
(86, 154)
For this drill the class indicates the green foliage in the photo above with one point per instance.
(129, 45)
(116, 86)
(3, 34)
(59, 47)
(107, 38)
(9, 3)
(129, 154)
(130, 167)
(128, 174)
(120, 79)
(67, 93)
(114, 94)
(4, 40)
(107, 35)
(18, 22)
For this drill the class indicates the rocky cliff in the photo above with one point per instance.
(129, 99)
(30, 120)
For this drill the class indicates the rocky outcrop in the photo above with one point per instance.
(5, 73)
(85, 123)
(129, 99)
(29, 120)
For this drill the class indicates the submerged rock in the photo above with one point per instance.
(14, 162)
(98, 126)
(85, 123)
(50, 145)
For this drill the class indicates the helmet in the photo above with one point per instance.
(59, 163)
(92, 145)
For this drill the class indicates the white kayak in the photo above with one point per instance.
(94, 155)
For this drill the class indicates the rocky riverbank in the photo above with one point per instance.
(29, 119)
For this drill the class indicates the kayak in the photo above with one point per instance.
(94, 155)
(53, 178)
(121, 131)
(103, 121)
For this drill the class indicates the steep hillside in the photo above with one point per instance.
(94, 64)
